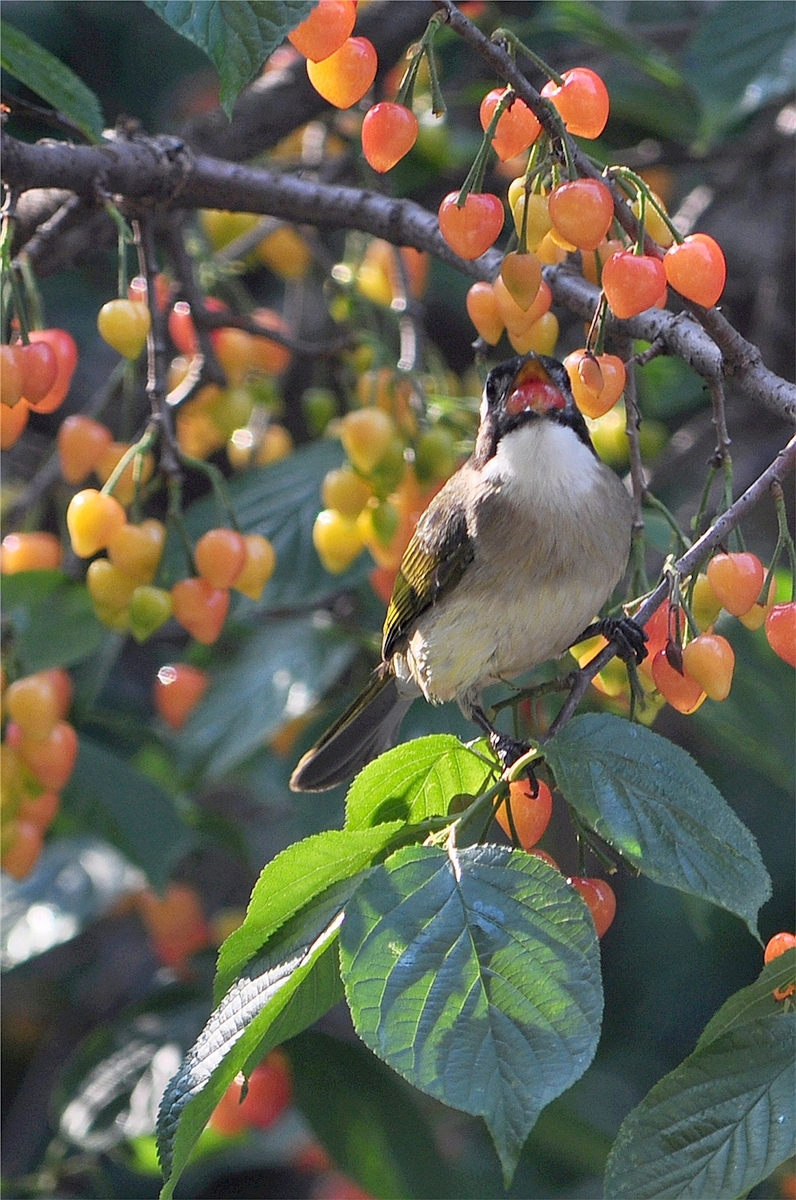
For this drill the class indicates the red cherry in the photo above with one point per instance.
(781, 631)
(709, 659)
(582, 211)
(632, 283)
(737, 580)
(389, 131)
(39, 364)
(325, 29)
(600, 898)
(530, 814)
(682, 692)
(65, 349)
(517, 128)
(697, 269)
(582, 101)
(345, 76)
(471, 229)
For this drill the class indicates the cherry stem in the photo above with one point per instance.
(475, 176)
(406, 92)
(643, 191)
(124, 239)
(660, 507)
(32, 293)
(138, 448)
(511, 40)
(784, 542)
(217, 482)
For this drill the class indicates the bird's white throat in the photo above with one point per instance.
(544, 463)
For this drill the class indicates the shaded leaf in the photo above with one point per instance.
(279, 994)
(290, 881)
(51, 79)
(476, 976)
(237, 38)
(279, 674)
(647, 798)
(414, 781)
(717, 1125)
(754, 1001)
(589, 23)
(52, 619)
(126, 807)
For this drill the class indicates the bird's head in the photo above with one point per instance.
(530, 387)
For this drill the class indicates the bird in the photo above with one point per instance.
(507, 567)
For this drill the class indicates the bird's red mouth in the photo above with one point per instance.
(533, 391)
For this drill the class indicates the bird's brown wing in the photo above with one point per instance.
(435, 560)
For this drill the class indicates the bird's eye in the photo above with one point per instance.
(534, 396)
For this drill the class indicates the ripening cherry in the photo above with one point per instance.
(682, 692)
(337, 540)
(661, 626)
(654, 223)
(23, 849)
(472, 228)
(65, 349)
(200, 608)
(601, 899)
(258, 567)
(482, 310)
(345, 76)
(10, 376)
(522, 275)
(709, 659)
(582, 211)
(92, 519)
(33, 702)
(40, 810)
(435, 455)
(124, 325)
(12, 423)
(595, 391)
(531, 210)
(220, 556)
(30, 552)
(61, 682)
(696, 268)
(178, 689)
(269, 1093)
(540, 337)
(705, 604)
(366, 434)
(779, 944)
(175, 922)
(346, 491)
(149, 608)
(582, 101)
(125, 487)
(39, 365)
(530, 814)
(737, 580)
(389, 131)
(182, 330)
(517, 128)
(267, 355)
(781, 631)
(137, 549)
(517, 320)
(109, 587)
(592, 261)
(632, 283)
(51, 760)
(325, 29)
(81, 444)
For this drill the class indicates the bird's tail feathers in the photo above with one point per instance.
(367, 728)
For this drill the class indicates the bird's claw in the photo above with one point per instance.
(626, 635)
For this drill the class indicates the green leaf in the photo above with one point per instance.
(281, 992)
(717, 1125)
(237, 38)
(588, 23)
(754, 1001)
(117, 802)
(414, 781)
(737, 59)
(281, 502)
(367, 1118)
(51, 79)
(289, 882)
(279, 673)
(649, 800)
(476, 976)
(52, 619)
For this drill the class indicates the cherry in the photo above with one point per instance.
(522, 276)
(34, 704)
(389, 131)
(346, 491)
(737, 580)
(109, 587)
(12, 423)
(175, 922)
(258, 567)
(632, 283)
(285, 252)
(137, 549)
(705, 604)
(200, 608)
(124, 325)
(182, 330)
(269, 1093)
(517, 128)
(220, 556)
(530, 209)
(325, 29)
(150, 607)
(775, 946)
(541, 336)
(40, 810)
(177, 691)
(39, 364)
(517, 320)
(530, 814)
(654, 223)
(51, 760)
(366, 434)
(470, 229)
(267, 355)
(435, 455)
(10, 376)
(81, 444)
(781, 631)
(24, 848)
(696, 269)
(92, 519)
(30, 552)
(63, 344)
(482, 310)
(682, 692)
(709, 659)
(582, 101)
(601, 899)
(582, 212)
(345, 76)
(592, 261)
(337, 540)
(125, 488)
(597, 383)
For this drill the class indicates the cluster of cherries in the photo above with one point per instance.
(35, 374)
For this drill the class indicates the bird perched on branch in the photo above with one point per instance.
(506, 569)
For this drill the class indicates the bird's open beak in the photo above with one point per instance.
(533, 390)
